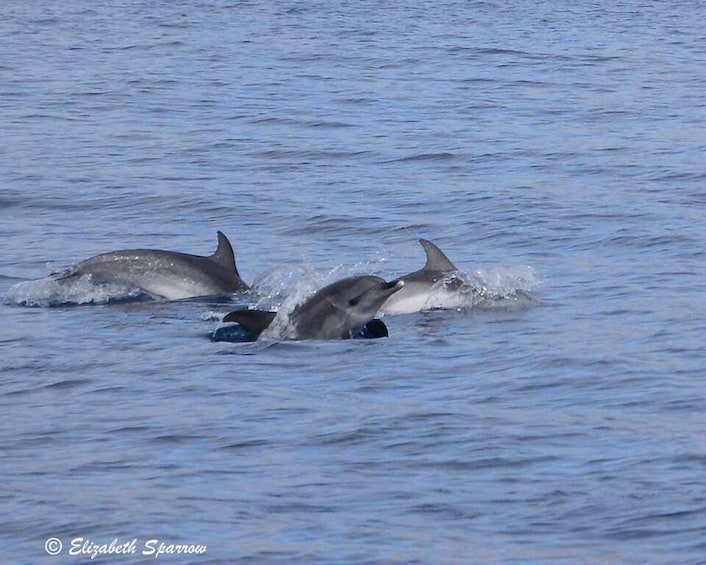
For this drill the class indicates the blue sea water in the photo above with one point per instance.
(550, 147)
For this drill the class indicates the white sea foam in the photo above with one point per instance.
(50, 291)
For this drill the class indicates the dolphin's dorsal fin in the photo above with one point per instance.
(224, 254)
(436, 260)
(255, 321)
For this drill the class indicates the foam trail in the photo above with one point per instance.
(504, 286)
(49, 292)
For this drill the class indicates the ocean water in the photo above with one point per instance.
(552, 148)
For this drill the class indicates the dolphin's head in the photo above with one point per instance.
(341, 309)
(362, 296)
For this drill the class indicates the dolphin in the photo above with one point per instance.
(167, 274)
(342, 310)
(438, 274)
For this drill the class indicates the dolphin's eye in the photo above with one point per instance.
(354, 301)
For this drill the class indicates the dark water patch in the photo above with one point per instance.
(110, 390)
(645, 533)
(490, 463)
(245, 445)
(444, 511)
(45, 117)
(176, 439)
(690, 458)
(358, 101)
(9, 200)
(445, 156)
(326, 224)
(300, 508)
(548, 437)
(530, 84)
(328, 124)
(496, 51)
(324, 124)
(137, 429)
(354, 437)
(680, 176)
(68, 384)
(19, 391)
(274, 121)
(304, 156)
(684, 405)
(123, 465)
(47, 21)
(644, 242)
(28, 441)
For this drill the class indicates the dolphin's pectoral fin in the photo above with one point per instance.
(254, 321)
(436, 260)
(224, 255)
(373, 329)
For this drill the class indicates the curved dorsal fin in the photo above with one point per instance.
(224, 254)
(436, 260)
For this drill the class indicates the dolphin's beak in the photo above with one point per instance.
(395, 285)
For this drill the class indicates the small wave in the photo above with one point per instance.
(275, 121)
(484, 51)
(52, 292)
(309, 155)
(443, 156)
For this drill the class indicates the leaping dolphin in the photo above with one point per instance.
(439, 274)
(168, 274)
(342, 310)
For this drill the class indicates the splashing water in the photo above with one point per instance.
(283, 289)
(51, 292)
(502, 287)
(307, 284)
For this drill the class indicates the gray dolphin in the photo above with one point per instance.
(420, 285)
(342, 310)
(169, 274)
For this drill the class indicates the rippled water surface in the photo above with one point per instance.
(552, 148)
